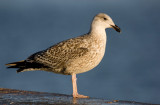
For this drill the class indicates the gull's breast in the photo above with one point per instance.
(96, 50)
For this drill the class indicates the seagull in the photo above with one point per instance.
(72, 56)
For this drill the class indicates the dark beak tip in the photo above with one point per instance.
(119, 31)
(117, 28)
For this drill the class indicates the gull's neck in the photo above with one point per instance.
(97, 31)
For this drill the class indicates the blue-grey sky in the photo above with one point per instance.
(130, 69)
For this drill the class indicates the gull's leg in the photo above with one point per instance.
(75, 92)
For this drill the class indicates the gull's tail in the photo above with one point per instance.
(25, 66)
(21, 65)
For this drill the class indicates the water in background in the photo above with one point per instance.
(130, 69)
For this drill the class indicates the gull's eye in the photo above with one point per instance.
(105, 18)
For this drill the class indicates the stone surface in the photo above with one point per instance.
(21, 97)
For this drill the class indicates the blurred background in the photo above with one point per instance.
(130, 69)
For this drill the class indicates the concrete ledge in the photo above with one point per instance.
(21, 97)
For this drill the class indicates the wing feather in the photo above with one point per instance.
(57, 55)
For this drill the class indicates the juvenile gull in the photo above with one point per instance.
(72, 56)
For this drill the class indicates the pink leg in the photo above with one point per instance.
(75, 92)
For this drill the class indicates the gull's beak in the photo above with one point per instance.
(116, 28)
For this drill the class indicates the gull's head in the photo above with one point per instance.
(104, 21)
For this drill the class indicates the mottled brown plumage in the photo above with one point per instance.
(72, 56)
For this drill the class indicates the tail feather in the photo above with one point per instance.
(15, 63)
(20, 65)
(20, 70)
(13, 66)
(25, 66)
